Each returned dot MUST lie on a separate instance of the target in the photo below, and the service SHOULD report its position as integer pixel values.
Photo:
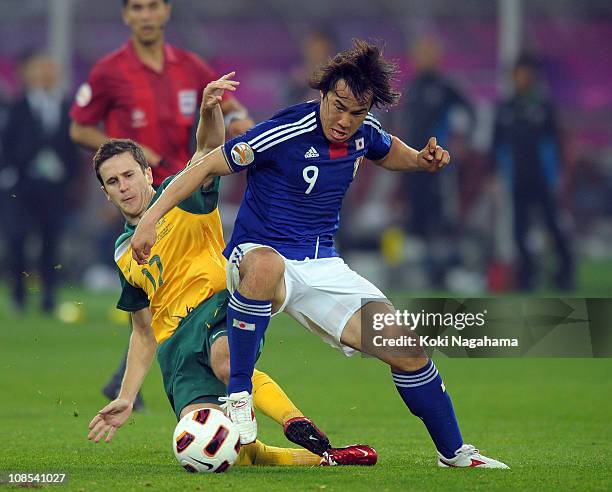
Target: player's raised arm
(211, 127)
(402, 157)
(205, 164)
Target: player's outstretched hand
(433, 158)
(143, 240)
(109, 419)
(213, 92)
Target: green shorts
(184, 358)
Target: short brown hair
(365, 71)
(118, 146)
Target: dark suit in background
(429, 99)
(528, 153)
(38, 148)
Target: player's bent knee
(262, 261)
(261, 270)
(222, 370)
(219, 359)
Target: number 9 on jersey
(310, 173)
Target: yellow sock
(260, 454)
(271, 400)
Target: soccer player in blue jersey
(281, 255)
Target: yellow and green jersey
(186, 264)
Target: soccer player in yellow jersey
(178, 303)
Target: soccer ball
(206, 440)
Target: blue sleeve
(252, 147)
(379, 140)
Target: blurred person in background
(38, 150)
(430, 98)
(527, 150)
(316, 48)
(148, 91)
(8, 179)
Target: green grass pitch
(549, 419)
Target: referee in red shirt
(148, 91)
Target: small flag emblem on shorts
(243, 325)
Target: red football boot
(357, 454)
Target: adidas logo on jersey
(312, 152)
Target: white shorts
(321, 294)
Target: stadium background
(52, 369)
(479, 41)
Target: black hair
(365, 71)
(117, 146)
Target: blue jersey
(297, 179)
